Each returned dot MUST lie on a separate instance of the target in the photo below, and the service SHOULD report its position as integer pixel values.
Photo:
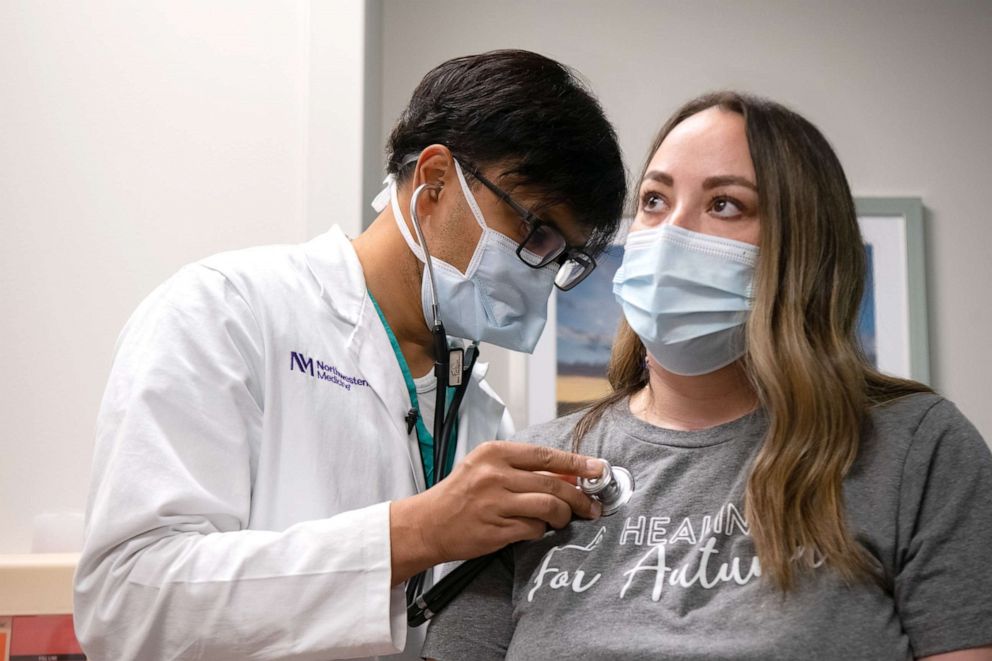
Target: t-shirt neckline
(631, 425)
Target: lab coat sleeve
(169, 569)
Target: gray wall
(902, 89)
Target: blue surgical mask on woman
(498, 299)
(687, 296)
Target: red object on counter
(43, 635)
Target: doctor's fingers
(541, 458)
(543, 507)
(520, 481)
(571, 479)
(521, 529)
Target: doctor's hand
(494, 497)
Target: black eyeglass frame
(534, 223)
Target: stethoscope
(613, 489)
(453, 367)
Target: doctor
(264, 463)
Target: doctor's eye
(727, 207)
(523, 230)
(541, 240)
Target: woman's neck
(691, 403)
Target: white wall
(135, 138)
(344, 166)
(902, 89)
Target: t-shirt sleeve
(943, 585)
(478, 623)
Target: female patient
(791, 501)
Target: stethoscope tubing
(441, 441)
(434, 600)
(415, 218)
(444, 421)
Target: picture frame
(893, 324)
(893, 231)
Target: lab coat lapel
(378, 363)
(333, 262)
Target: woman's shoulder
(920, 413)
(907, 412)
(921, 425)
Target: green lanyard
(424, 438)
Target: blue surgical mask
(498, 299)
(687, 296)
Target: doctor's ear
(434, 167)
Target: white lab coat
(239, 506)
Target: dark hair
(530, 112)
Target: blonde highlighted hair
(802, 357)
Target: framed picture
(893, 321)
(568, 367)
(586, 323)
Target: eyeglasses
(544, 244)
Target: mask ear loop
(415, 218)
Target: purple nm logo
(322, 371)
(300, 362)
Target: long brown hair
(802, 358)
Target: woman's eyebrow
(728, 180)
(708, 183)
(659, 176)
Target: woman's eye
(652, 202)
(724, 207)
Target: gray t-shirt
(673, 575)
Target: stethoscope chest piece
(613, 488)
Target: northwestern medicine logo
(324, 372)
